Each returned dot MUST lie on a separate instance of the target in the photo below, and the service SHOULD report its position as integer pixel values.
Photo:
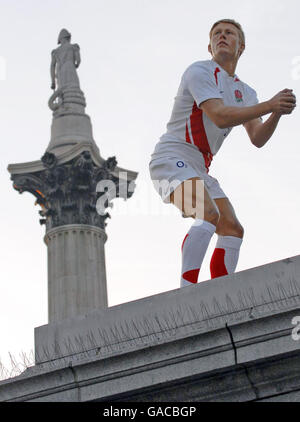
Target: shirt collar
(223, 70)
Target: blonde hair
(233, 22)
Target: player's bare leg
(192, 199)
(195, 203)
(228, 224)
(230, 235)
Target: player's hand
(284, 102)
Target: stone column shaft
(76, 271)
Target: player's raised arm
(259, 132)
(225, 116)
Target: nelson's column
(73, 185)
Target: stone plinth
(209, 305)
(227, 339)
(76, 271)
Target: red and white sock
(225, 256)
(193, 249)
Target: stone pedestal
(230, 339)
(69, 130)
(76, 271)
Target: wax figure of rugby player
(211, 100)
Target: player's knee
(209, 214)
(240, 231)
(236, 229)
(230, 228)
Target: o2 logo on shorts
(180, 164)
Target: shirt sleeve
(201, 84)
(252, 98)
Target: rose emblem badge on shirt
(238, 95)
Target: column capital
(77, 191)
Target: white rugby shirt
(189, 130)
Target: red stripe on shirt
(216, 74)
(187, 136)
(199, 135)
(207, 159)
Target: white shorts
(173, 171)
